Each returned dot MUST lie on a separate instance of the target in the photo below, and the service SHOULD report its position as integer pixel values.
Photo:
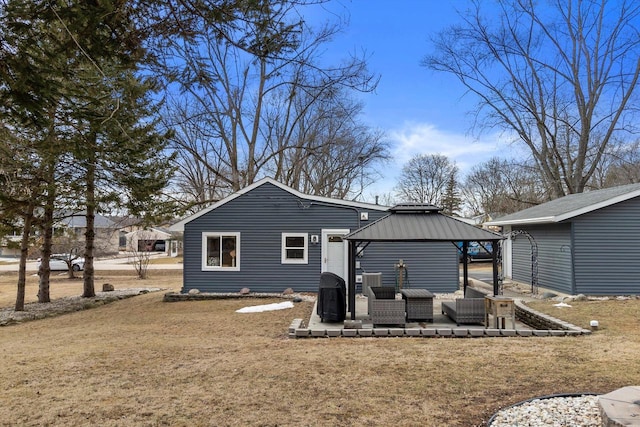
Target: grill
(332, 298)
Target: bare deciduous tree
(257, 102)
(328, 152)
(561, 76)
(69, 245)
(499, 187)
(425, 179)
(140, 254)
(620, 166)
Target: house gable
(258, 220)
(179, 226)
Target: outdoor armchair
(384, 308)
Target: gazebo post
(352, 279)
(465, 266)
(494, 258)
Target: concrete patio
(442, 326)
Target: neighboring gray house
(107, 232)
(269, 237)
(587, 243)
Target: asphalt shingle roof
(79, 220)
(570, 206)
(420, 223)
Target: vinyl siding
(554, 257)
(261, 216)
(264, 213)
(432, 265)
(607, 250)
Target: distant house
(125, 225)
(107, 232)
(587, 243)
(269, 237)
(150, 239)
(10, 245)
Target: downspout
(574, 287)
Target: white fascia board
(179, 226)
(541, 220)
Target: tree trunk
(88, 288)
(24, 253)
(47, 235)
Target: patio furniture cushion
(469, 309)
(384, 308)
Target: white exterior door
(335, 252)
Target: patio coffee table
(419, 304)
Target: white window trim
(205, 236)
(305, 258)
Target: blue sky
(420, 111)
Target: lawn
(165, 260)
(141, 361)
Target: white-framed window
(295, 248)
(220, 251)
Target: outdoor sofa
(469, 309)
(384, 308)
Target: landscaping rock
(194, 292)
(245, 291)
(34, 311)
(548, 295)
(107, 287)
(287, 291)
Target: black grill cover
(332, 298)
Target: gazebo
(419, 223)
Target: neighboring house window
(294, 248)
(221, 251)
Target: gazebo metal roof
(420, 223)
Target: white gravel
(579, 411)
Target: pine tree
(451, 198)
(70, 74)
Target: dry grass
(165, 260)
(144, 362)
(61, 286)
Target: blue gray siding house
(588, 243)
(269, 237)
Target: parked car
(476, 251)
(58, 262)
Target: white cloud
(425, 138)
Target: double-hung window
(221, 251)
(295, 248)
